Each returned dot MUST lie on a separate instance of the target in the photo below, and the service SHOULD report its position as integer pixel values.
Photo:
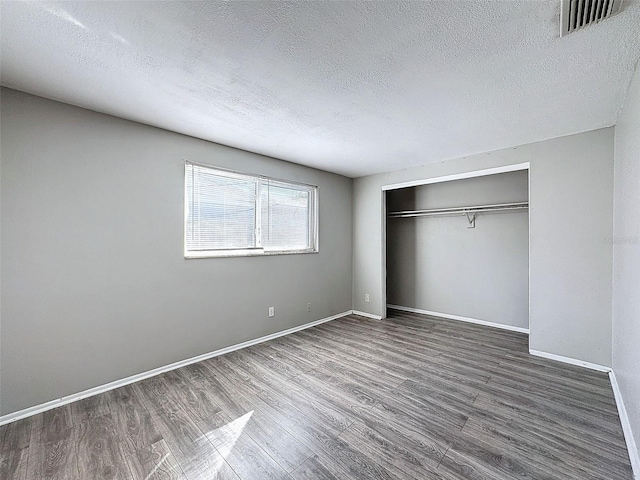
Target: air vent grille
(576, 14)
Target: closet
(460, 249)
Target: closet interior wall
(439, 265)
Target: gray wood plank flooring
(410, 397)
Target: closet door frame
(446, 178)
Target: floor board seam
(465, 422)
(347, 428)
(442, 458)
(289, 472)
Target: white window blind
(228, 213)
(285, 216)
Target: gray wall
(94, 284)
(626, 255)
(440, 265)
(571, 195)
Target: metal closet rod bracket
(471, 218)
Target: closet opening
(458, 247)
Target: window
(232, 214)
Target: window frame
(258, 250)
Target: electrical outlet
(366, 298)
(272, 311)
(308, 307)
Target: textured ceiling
(353, 87)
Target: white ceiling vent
(576, 14)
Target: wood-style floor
(411, 397)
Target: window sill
(243, 253)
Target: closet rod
(499, 207)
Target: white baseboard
(571, 361)
(462, 319)
(365, 314)
(27, 412)
(626, 427)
